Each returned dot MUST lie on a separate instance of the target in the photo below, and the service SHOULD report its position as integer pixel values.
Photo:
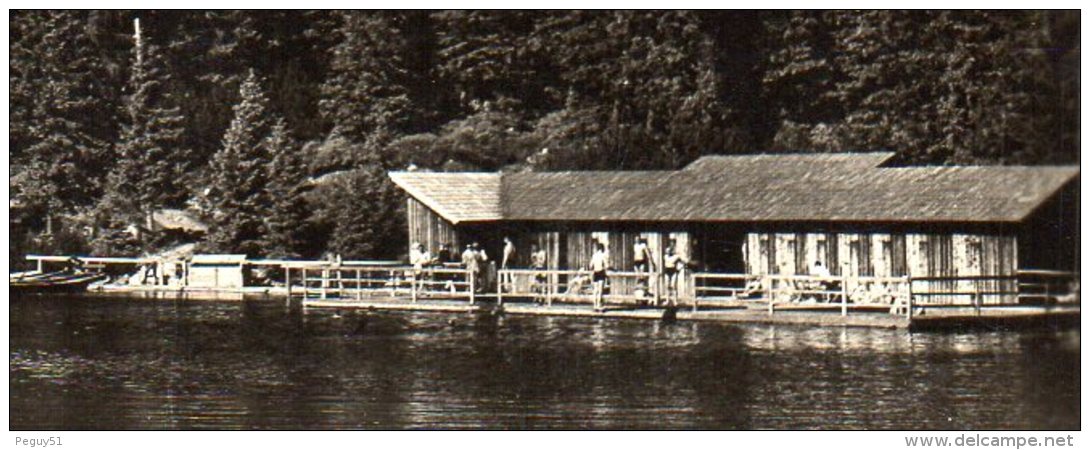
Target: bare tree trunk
(149, 220)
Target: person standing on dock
(599, 262)
(472, 258)
(419, 258)
(641, 257)
(673, 265)
(538, 262)
(508, 253)
(444, 253)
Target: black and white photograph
(592, 220)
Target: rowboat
(61, 281)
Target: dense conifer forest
(276, 128)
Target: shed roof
(218, 259)
(457, 196)
(752, 188)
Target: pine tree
(485, 57)
(62, 122)
(238, 175)
(288, 215)
(366, 98)
(368, 215)
(151, 156)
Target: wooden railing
(358, 282)
(548, 286)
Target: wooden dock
(937, 319)
(871, 302)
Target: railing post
(771, 294)
(287, 281)
(843, 295)
(304, 274)
(550, 286)
(696, 286)
(412, 284)
(325, 283)
(472, 287)
(499, 287)
(908, 314)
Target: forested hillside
(277, 127)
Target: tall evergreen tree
(151, 163)
(288, 215)
(366, 97)
(62, 122)
(238, 175)
(368, 215)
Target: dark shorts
(599, 276)
(670, 271)
(641, 266)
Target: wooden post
(550, 283)
(325, 283)
(908, 314)
(696, 287)
(499, 287)
(359, 286)
(304, 274)
(472, 287)
(843, 295)
(412, 284)
(287, 280)
(41, 266)
(771, 293)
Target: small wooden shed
(219, 271)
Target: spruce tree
(151, 156)
(366, 98)
(62, 122)
(238, 176)
(288, 216)
(369, 218)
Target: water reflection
(106, 363)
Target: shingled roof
(457, 196)
(839, 187)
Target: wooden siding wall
(427, 228)
(893, 255)
(572, 250)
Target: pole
(499, 287)
(472, 287)
(771, 293)
(908, 314)
(843, 295)
(287, 281)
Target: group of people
(475, 260)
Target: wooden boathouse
(953, 229)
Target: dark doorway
(722, 248)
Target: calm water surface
(113, 363)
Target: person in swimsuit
(538, 261)
(672, 265)
(641, 257)
(598, 266)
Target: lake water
(82, 362)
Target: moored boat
(62, 281)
